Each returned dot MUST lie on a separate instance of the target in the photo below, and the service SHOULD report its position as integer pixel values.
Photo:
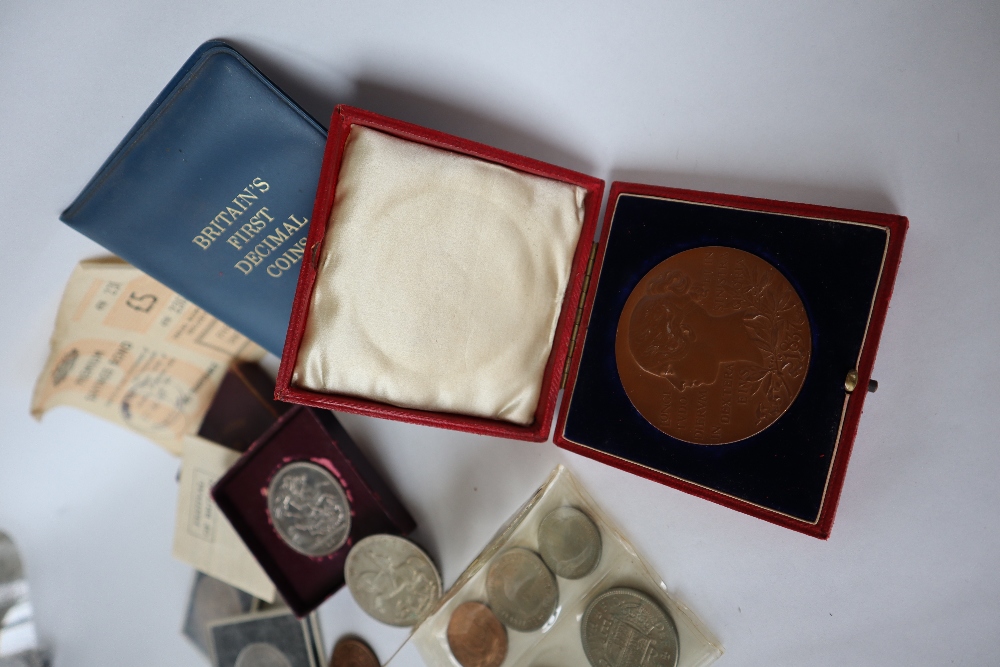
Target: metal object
(851, 381)
(626, 628)
(476, 637)
(713, 345)
(268, 639)
(569, 542)
(211, 600)
(521, 590)
(10, 560)
(261, 654)
(350, 652)
(392, 579)
(309, 509)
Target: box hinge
(579, 314)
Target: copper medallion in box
(713, 345)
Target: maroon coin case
(306, 434)
(243, 408)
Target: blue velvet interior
(834, 266)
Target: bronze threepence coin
(351, 652)
(521, 590)
(713, 345)
(626, 628)
(309, 509)
(569, 542)
(476, 637)
(392, 579)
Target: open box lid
(344, 118)
(843, 265)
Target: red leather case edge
(895, 224)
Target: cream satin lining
(441, 280)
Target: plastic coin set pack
(559, 586)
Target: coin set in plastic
(300, 498)
(559, 586)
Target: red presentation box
(841, 262)
(315, 436)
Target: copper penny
(351, 652)
(476, 636)
(713, 345)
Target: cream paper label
(129, 350)
(203, 537)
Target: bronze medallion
(476, 636)
(713, 345)
(351, 652)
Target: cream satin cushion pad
(441, 280)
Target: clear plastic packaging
(558, 642)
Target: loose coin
(476, 637)
(309, 509)
(392, 579)
(626, 628)
(212, 600)
(569, 542)
(713, 345)
(521, 590)
(261, 654)
(351, 652)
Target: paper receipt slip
(129, 350)
(203, 537)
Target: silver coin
(309, 509)
(521, 590)
(213, 600)
(392, 579)
(569, 542)
(626, 628)
(261, 654)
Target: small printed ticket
(203, 537)
(132, 351)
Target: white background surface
(887, 106)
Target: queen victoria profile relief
(713, 345)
